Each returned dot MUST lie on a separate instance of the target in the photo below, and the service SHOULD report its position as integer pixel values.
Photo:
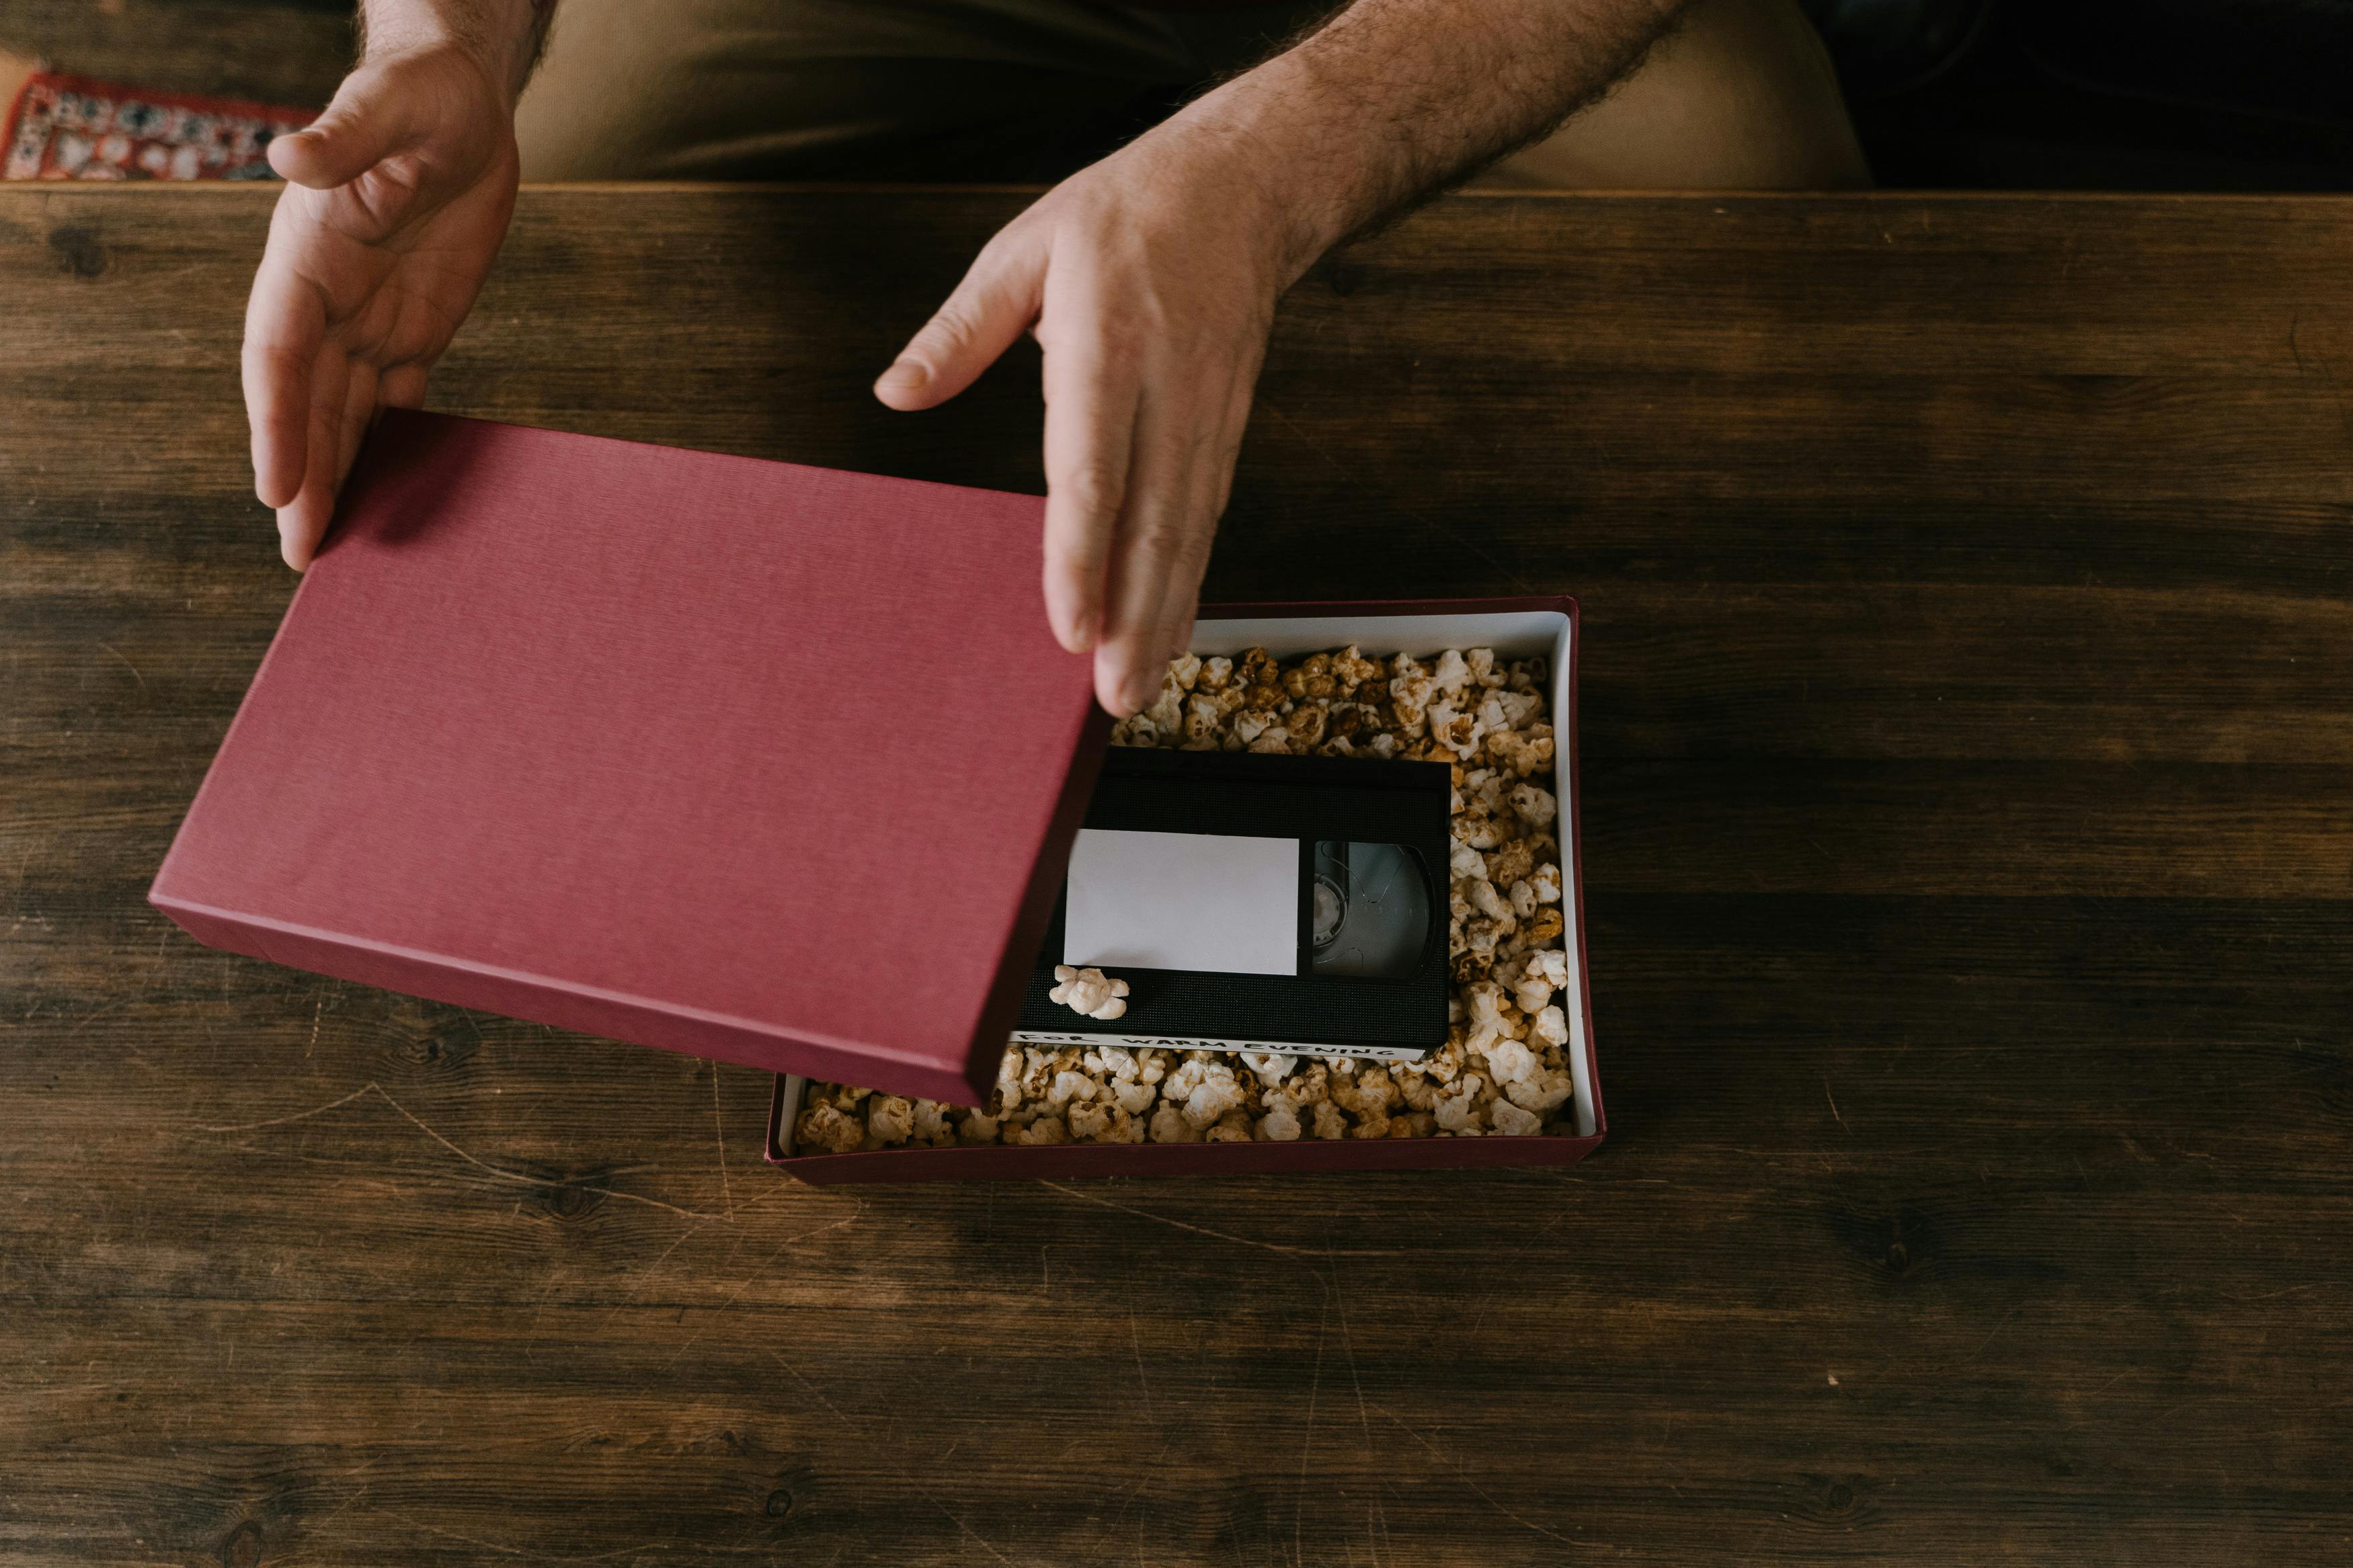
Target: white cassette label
(1183, 900)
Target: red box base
(1515, 627)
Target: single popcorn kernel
(828, 1127)
(1234, 1127)
(1045, 1130)
(889, 1120)
(1352, 669)
(1089, 991)
(1510, 863)
(1510, 1120)
(932, 1124)
(1271, 1069)
(1169, 1126)
(1459, 1113)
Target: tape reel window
(1372, 914)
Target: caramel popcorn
(1045, 1130)
(1169, 1125)
(1503, 1070)
(889, 1120)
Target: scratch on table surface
(1307, 1438)
(1463, 1474)
(2266, 1296)
(530, 1330)
(1144, 1478)
(1315, 446)
(760, 1272)
(1834, 1110)
(2111, 1383)
(295, 1116)
(718, 1123)
(1136, 1343)
(917, 1487)
(2001, 1323)
(1220, 1234)
(126, 663)
(371, 1178)
(416, 1523)
(1348, 1343)
(358, 1492)
(500, 1173)
(644, 1275)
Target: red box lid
(765, 762)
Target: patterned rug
(71, 128)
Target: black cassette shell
(1314, 800)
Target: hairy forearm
(505, 35)
(1393, 99)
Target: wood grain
(283, 52)
(1969, 851)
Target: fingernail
(1082, 632)
(905, 375)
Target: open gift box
(767, 763)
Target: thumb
(992, 307)
(360, 128)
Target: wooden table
(1969, 768)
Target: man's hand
(1150, 280)
(396, 199)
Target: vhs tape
(1257, 902)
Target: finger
(285, 323)
(992, 307)
(1213, 485)
(1168, 628)
(363, 126)
(401, 386)
(303, 524)
(1180, 587)
(359, 410)
(1160, 534)
(1090, 403)
(1181, 599)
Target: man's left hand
(1150, 280)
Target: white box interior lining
(1512, 634)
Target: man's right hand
(396, 199)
